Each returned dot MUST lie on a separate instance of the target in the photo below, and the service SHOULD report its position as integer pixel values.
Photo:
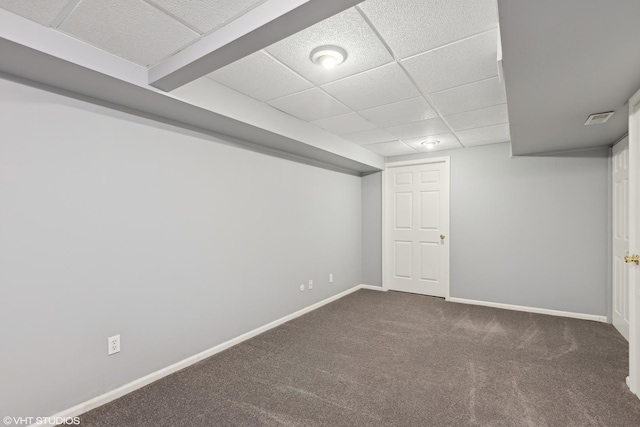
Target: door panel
(417, 215)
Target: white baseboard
(155, 376)
(582, 316)
(372, 288)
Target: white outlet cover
(113, 345)
(330, 278)
(301, 288)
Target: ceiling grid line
(175, 18)
(64, 13)
(430, 103)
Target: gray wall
(113, 224)
(371, 229)
(531, 231)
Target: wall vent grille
(599, 118)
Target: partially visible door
(417, 227)
(634, 243)
(620, 294)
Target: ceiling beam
(264, 25)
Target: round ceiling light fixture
(430, 144)
(328, 56)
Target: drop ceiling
(413, 73)
(416, 71)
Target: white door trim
(634, 243)
(447, 161)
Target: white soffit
(565, 60)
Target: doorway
(416, 227)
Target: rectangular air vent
(599, 118)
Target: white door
(417, 228)
(620, 294)
(634, 243)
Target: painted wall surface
(114, 224)
(372, 229)
(530, 231)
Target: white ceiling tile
(370, 137)
(485, 135)
(206, 15)
(419, 129)
(260, 76)
(388, 149)
(478, 118)
(445, 141)
(347, 123)
(347, 30)
(41, 11)
(131, 29)
(486, 93)
(372, 88)
(463, 62)
(414, 26)
(312, 104)
(409, 110)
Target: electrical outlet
(301, 288)
(310, 284)
(330, 278)
(114, 344)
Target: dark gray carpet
(393, 359)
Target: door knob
(442, 237)
(632, 258)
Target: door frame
(633, 380)
(385, 256)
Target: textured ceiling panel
(419, 129)
(485, 135)
(348, 123)
(479, 118)
(131, 29)
(312, 104)
(445, 141)
(414, 26)
(469, 97)
(372, 88)
(206, 15)
(370, 137)
(466, 61)
(275, 79)
(347, 30)
(389, 149)
(410, 110)
(42, 11)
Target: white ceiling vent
(599, 118)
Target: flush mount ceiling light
(430, 144)
(328, 56)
